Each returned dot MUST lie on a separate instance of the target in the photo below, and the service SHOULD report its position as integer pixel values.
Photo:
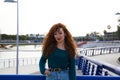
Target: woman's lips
(58, 39)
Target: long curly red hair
(49, 43)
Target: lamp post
(17, 41)
(109, 27)
(9, 1)
(17, 36)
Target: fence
(8, 63)
(92, 67)
(99, 51)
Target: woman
(59, 49)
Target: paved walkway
(108, 58)
(28, 69)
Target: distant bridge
(37, 43)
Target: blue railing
(99, 51)
(40, 77)
(90, 66)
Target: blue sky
(80, 16)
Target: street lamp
(17, 36)
(118, 13)
(9, 1)
(109, 27)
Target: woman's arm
(72, 69)
(42, 63)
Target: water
(26, 51)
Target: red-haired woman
(59, 49)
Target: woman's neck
(61, 46)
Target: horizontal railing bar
(104, 65)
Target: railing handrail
(100, 50)
(86, 62)
(102, 47)
(104, 65)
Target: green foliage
(8, 37)
(12, 37)
(118, 32)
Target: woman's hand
(47, 72)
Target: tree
(94, 35)
(104, 32)
(118, 32)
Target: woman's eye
(60, 33)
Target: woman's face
(59, 35)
